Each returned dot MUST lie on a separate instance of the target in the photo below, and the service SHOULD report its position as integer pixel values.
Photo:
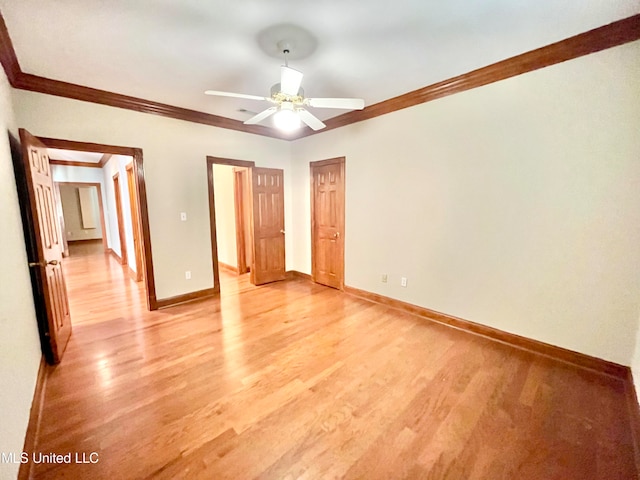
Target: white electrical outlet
(183, 216)
(187, 275)
(403, 282)
(384, 278)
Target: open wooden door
(135, 219)
(50, 289)
(121, 233)
(267, 191)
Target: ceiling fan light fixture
(286, 118)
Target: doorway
(80, 210)
(327, 222)
(34, 175)
(246, 208)
(86, 180)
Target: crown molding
(8, 57)
(26, 81)
(602, 38)
(34, 83)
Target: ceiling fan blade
(308, 118)
(346, 103)
(290, 80)
(234, 95)
(261, 116)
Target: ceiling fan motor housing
(277, 88)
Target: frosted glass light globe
(286, 120)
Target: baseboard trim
(132, 275)
(634, 416)
(228, 268)
(35, 417)
(186, 297)
(294, 274)
(85, 240)
(534, 346)
(115, 255)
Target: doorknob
(44, 263)
(282, 232)
(336, 235)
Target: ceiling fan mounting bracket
(299, 42)
(285, 46)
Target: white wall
(515, 205)
(175, 172)
(19, 343)
(66, 173)
(223, 187)
(73, 216)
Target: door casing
(211, 161)
(141, 200)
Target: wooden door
(50, 291)
(327, 222)
(239, 176)
(121, 234)
(267, 191)
(135, 220)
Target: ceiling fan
(289, 101)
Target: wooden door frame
(321, 163)
(122, 234)
(141, 197)
(100, 204)
(240, 179)
(211, 161)
(135, 221)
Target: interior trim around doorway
(141, 200)
(211, 161)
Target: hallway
(95, 282)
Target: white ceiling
(170, 51)
(74, 156)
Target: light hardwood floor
(295, 380)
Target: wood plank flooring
(295, 380)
